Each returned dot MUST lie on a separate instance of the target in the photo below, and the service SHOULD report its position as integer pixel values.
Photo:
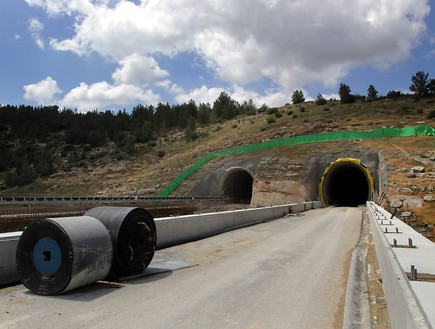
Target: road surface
(286, 273)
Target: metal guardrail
(96, 198)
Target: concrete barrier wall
(176, 230)
(404, 307)
(171, 230)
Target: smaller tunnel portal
(237, 185)
(346, 183)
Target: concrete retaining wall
(170, 230)
(404, 307)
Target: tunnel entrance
(237, 185)
(346, 182)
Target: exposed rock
(144, 191)
(407, 190)
(428, 198)
(410, 174)
(430, 188)
(422, 160)
(413, 202)
(396, 203)
(405, 214)
(419, 169)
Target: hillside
(82, 170)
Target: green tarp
(297, 140)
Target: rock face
(267, 192)
(410, 187)
(400, 201)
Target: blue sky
(111, 54)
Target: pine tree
(372, 93)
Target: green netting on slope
(297, 140)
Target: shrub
(272, 110)
(320, 100)
(270, 119)
(392, 94)
(263, 108)
(289, 113)
(11, 178)
(405, 109)
(431, 114)
(152, 143)
(278, 114)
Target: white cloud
(42, 92)
(35, 29)
(99, 95)
(292, 43)
(137, 69)
(240, 94)
(199, 95)
(60, 7)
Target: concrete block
(404, 307)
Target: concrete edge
(170, 230)
(404, 309)
(356, 307)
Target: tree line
(422, 86)
(28, 135)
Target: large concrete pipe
(134, 237)
(59, 254)
(346, 182)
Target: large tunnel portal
(346, 182)
(237, 185)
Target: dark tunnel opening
(346, 184)
(237, 185)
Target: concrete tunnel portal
(346, 182)
(237, 184)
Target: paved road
(287, 273)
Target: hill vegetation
(49, 151)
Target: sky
(115, 54)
